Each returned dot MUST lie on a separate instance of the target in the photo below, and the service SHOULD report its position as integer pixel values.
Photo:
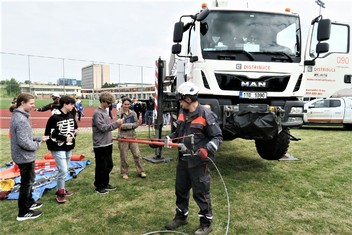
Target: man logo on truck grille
(253, 84)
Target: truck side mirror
(322, 47)
(203, 14)
(178, 31)
(176, 49)
(324, 30)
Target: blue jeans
(25, 199)
(149, 117)
(62, 159)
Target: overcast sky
(131, 33)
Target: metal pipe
(147, 142)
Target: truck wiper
(286, 56)
(224, 56)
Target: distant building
(46, 90)
(140, 91)
(69, 82)
(95, 76)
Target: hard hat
(188, 89)
(55, 95)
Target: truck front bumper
(261, 121)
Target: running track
(39, 119)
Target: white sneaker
(29, 215)
(35, 206)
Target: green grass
(309, 196)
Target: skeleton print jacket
(58, 128)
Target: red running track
(39, 119)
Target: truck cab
(248, 67)
(333, 70)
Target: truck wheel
(275, 148)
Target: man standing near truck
(202, 137)
(54, 106)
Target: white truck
(333, 71)
(248, 66)
(330, 111)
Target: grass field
(309, 196)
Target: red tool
(150, 142)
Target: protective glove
(154, 146)
(202, 153)
(166, 141)
(182, 148)
(211, 147)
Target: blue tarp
(47, 179)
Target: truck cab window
(238, 33)
(338, 42)
(335, 103)
(321, 104)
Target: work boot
(203, 230)
(205, 226)
(179, 220)
(60, 196)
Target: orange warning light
(287, 9)
(204, 5)
(272, 108)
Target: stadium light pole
(29, 73)
(63, 74)
(93, 74)
(119, 85)
(142, 88)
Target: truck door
(319, 112)
(332, 70)
(336, 110)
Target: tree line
(11, 86)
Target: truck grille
(232, 82)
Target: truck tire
(275, 148)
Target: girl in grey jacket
(23, 148)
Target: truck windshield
(241, 35)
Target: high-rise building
(94, 76)
(68, 82)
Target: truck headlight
(294, 119)
(296, 110)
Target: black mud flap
(249, 125)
